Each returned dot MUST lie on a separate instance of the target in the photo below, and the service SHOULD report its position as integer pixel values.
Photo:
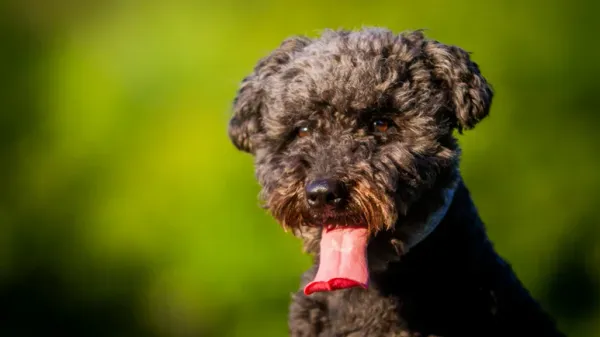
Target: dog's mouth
(331, 218)
(343, 246)
(342, 258)
(345, 227)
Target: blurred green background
(125, 211)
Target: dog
(353, 139)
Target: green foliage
(125, 211)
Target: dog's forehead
(347, 81)
(348, 73)
(337, 84)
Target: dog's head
(355, 128)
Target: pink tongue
(343, 262)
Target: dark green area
(125, 211)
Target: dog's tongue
(343, 261)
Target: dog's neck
(418, 233)
(456, 263)
(453, 233)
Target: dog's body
(451, 284)
(352, 137)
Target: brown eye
(381, 125)
(303, 131)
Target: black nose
(324, 192)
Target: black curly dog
(352, 135)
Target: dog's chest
(356, 312)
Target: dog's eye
(381, 125)
(303, 131)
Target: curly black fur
(376, 111)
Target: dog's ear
(248, 105)
(469, 94)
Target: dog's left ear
(246, 123)
(469, 93)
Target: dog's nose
(324, 192)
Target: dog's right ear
(248, 105)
